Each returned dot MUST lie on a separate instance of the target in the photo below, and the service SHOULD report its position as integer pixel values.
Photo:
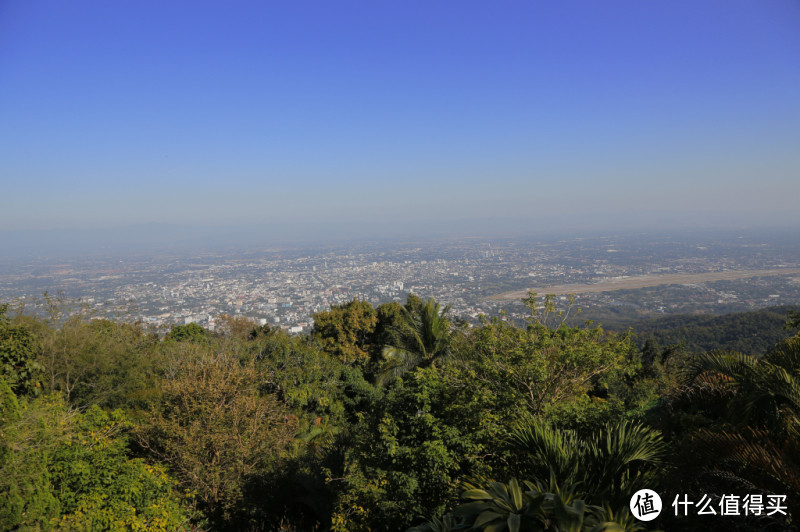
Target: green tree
(515, 506)
(305, 379)
(101, 488)
(649, 376)
(68, 470)
(748, 431)
(391, 319)
(793, 321)
(345, 331)
(99, 362)
(324, 396)
(609, 464)
(423, 339)
(18, 351)
(759, 391)
(408, 454)
(540, 371)
(217, 430)
(191, 332)
(27, 437)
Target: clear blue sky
(249, 112)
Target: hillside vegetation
(384, 418)
(753, 333)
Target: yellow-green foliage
(71, 471)
(536, 369)
(100, 488)
(28, 434)
(216, 428)
(344, 331)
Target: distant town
(612, 278)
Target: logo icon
(645, 505)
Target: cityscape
(611, 278)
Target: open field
(642, 281)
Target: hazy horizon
(317, 121)
(152, 238)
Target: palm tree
(765, 390)
(757, 443)
(516, 506)
(423, 339)
(610, 465)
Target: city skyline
(614, 278)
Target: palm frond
(422, 339)
(446, 524)
(548, 448)
(786, 355)
(398, 362)
(765, 390)
(754, 451)
(610, 465)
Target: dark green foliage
(308, 381)
(609, 465)
(18, 351)
(191, 332)
(409, 453)
(752, 333)
(735, 427)
(793, 320)
(651, 375)
(422, 338)
(391, 321)
(763, 391)
(530, 506)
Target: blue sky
(623, 113)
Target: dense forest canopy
(753, 333)
(388, 418)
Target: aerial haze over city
(613, 278)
